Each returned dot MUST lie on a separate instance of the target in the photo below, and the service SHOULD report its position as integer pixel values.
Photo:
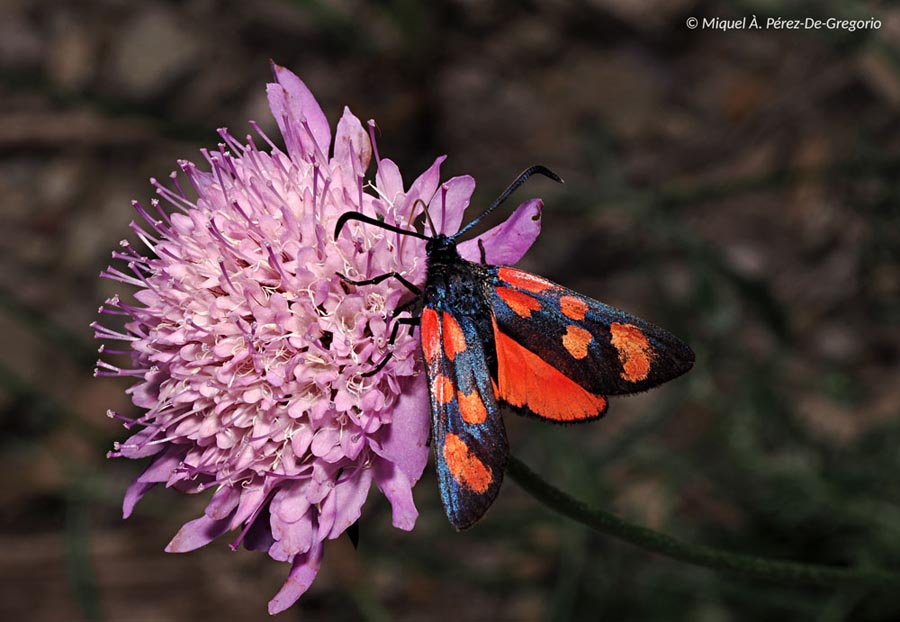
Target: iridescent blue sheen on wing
(603, 349)
(467, 431)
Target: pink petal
(389, 180)
(423, 187)
(140, 445)
(292, 103)
(447, 210)
(393, 483)
(197, 533)
(406, 440)
(352, 148)
(506, 243)
(291, 538)
(290, 504)
(134, 494)
(303, 573)
(223, 502)
(159, 470)
(349, 497)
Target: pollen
(466, 468)
(572, 307)
(521, 304)
(576, 341)
(635, 352)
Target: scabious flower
(248, 350)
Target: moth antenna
(348, 216)
(524, 175)
(427, 215)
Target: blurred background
(739, 188)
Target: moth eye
(464, 466)
(635, 351)
(521, 304)
(576, 341)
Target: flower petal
(159, 470)
(303, 573)
(223, 503)
(134, 494)
(406, 440)
(197, 533)
(507, 242)
(139, 445)
(302, 105)
(389, 180)
(448, 207)
(352, 149)
(393, 483)
(349, 498)
(422, 189)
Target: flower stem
(699, 555)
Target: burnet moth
(496, 336)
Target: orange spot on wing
(521, 304)
(464, 466)
(576, 341)
(635, 352)
(454, 340)
(431, 336)
(572, 307)
(523, 280)
(443, 389)
(471, 407)
(527, 381)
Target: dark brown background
(739, 188)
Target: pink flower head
(249, 351)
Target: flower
(250, 353)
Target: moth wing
(559, 353)
(467, 432)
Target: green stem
(699, 555)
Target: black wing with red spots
(560, 353)
(467, 432)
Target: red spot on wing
(576, 341)
(454, 340)
(635, 352)
(573, 307)
(521, 304)
(431, 335)
(442, 388)
(524, 280)
(464, 466)
(471, 407)
(525, 380)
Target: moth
(495, 336)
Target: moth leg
(403, 321)
(384, 277)
(403, 308)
